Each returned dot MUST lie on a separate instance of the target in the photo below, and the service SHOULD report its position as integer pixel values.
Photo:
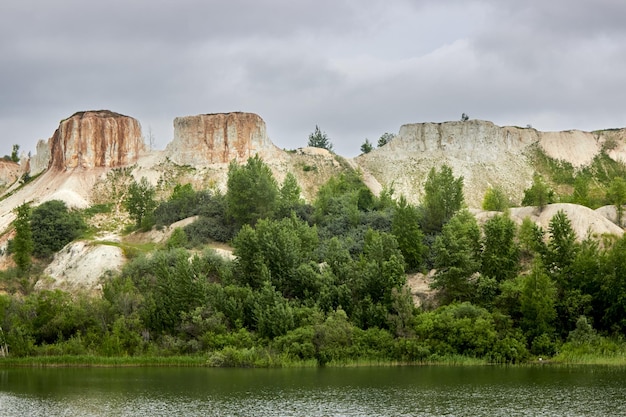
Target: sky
(356, 69)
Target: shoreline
(205, 362)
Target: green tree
(272, 312)
(531, 239)
(562, 247)
(367, 146)
(385, 138)
(15, 157)
(273, 252)
(319, 139)
(405, 227)
(457, 258)
(289, 196)
(443, 197)
(386, 264)
(538, 302)
(252, 192)
(500, 254)
(613, 288)
(22, 244)
(495, 200)
(616, 194)
(581, 190)
(53, 226)
(539, 194)
(139, 201)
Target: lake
(369, 391)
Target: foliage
(53, 226)
(15, 157)
(22, 245)
(385, 138)
(457, 258)
(537, 303)
(443, 197)
(500, 251)
(616, 194)
(289, 198)
(495, 200)
(140, 201)
(319, 139)
(539, 194)
(367, 146)
(184, 202)
(405, 227)
(252, 192)
(326, 283)
(273, 252)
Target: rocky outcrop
(485, 155)
(9, 172)
(41, 160)
(94, 139)
(219, 139)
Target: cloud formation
(356, 69)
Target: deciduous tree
(616, 194)
(457, 258)
(500, 254)
(405, 227)
(22, 244)
(443, 197)
(139, 201)
(252, 191)
(53, 226)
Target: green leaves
(616, 194)
(405, 227)
(500, 253)
(443, 197)
(22, 245)
(252, 192)
(319, 139)
(457, 257)
(139, 201)
(539, 194)
(53, 226)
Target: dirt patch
(80, 266)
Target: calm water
(407, 391)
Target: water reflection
(411, 391)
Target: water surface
(371, 391)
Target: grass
(224, 358)
(104, 361)
(258, 359)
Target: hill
(94, 153)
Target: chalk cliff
(486, 155)
(218, 139)
(95, 139)
(9, 173)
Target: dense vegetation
(326, 282)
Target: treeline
(326, 282)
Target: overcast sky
(355, 68)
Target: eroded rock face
(41, 160)
(9, 172)
(485, 154)
(219, 139)
(94, 139)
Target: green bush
(53, 226)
